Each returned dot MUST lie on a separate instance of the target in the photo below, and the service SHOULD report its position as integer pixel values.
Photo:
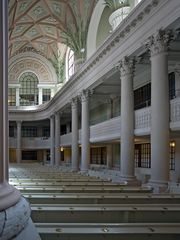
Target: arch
(32, 62)
(93, 27)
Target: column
(18, 144)
(127, 67)
(85, 133)
(57, 139)
(14, 210)
(177, 160)
(109, 156)
(40, 96)
(74, 144)
(52, 153)
(17, 97)
(158, 45)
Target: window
(28, 90)
(143, 155)
(29, 131)
(46, 95)
(11, 96)
(98, 155)
(172, 156)
(172, 91)
(142, 97)
(29, 155)
(71, 63)
(11, 131)
(46, 132)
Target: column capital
(159, 42)
(74, 102)
(85, 94)
(127, 66)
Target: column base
(130, 180)
(158, 186)
(15, 222)
(9, 196)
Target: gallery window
(28, 91)
(11, 96)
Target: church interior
(90, 119)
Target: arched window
(69, 63)
(28, 91)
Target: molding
(35, 63)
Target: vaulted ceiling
(45, 26)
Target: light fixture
(172, 144)
(62, 149)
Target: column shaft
(52, 153)
(158, 44)
(57, 139)
(159, 119)
(8, 194)
(18, 146)
(127, 119)
(85, 133)
(74, 145)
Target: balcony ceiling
(39, 25)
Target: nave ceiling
(47, 27)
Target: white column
(159, 110)
(74, 144)
(52, 140)
(57, 139)
(109, 156)
(127, 119)
(85, 134)
(40, 97)
(18, 146)
(17, 97)
(14, 210)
